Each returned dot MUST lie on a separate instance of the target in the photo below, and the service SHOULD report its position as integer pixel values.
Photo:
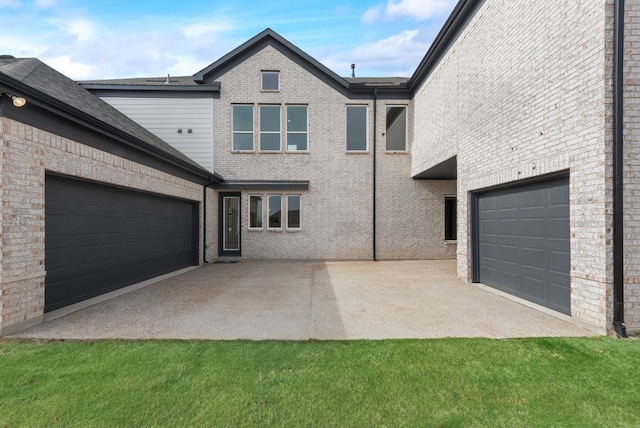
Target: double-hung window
(297, 128)
(270, 128)
(242, 127)
(275, 212)
(356, 128)
(396, 128)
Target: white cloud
(81, 29)
(419, 10)
(397, 55)
(373, 15)
(76, 70)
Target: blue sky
(95, 39)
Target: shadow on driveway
(302, 300)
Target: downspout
(618, 176)
(375, 133)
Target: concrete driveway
(295, 300)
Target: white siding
(165, 116)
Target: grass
(443, 382)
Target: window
(296, 128)
(270, 81)
(293, 211)
(450, 218)
(255, 212)
(242, 127)
(356, 128)
(275, 212)
(396, 128)
(270, 128)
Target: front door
(229, 225)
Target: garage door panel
(529, 241)
(100, 238)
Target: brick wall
(27, 153)
(632, 165)
(337, 218)
(523, 92)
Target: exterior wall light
(18, 101)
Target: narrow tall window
(242, 127)
(270, 128)
(357, 128)
(450, 218)
(396, 129)
(275, 211)
(255, 212)
(293, 211)
(297, 128)
(270, 81)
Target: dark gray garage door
(100, 238)
(523, 242)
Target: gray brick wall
(337, 218)
(524, 91)
(27, 153)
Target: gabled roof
(49, 89)
(257, 43)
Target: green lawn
(445, 382)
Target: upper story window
(270, 128)
(242, 127)
(297, 128)
(396, 128)
(270, 80)
(356, 128)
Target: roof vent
(168, 79)
(353, 71)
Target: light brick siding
(523, 92)
(632, 166)
(337, 216)
(27, 154)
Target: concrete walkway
(308, 300)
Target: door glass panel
(231, 223)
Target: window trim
(287, 132)
(269, 212)
(406, 129)
(260, 131)
(249, 197)
(265, 72)
(366, 129)
(253, 128)
(295, 195)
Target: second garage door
(100, 238)
(523, 243)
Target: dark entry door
(229, 224)
(524, 244)
(99, 238)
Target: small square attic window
(270, 80)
